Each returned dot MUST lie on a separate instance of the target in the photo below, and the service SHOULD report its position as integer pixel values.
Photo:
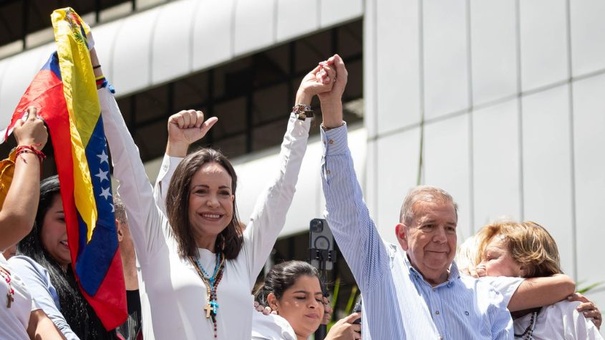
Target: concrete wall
(507, 99)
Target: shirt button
(330, 141)
(328, 172)
(437, 312)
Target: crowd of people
(190, 264)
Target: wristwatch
(302, 111)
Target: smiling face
(302, 305)
(210, 204)
(430, 239)
(498, 260)
(54, 232)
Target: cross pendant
(208, 309)
(9, 300)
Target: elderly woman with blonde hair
(522, 260)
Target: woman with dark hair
(197, 265)
(44, 263)
(294, 292)
(178, 202)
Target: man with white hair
(416, 295)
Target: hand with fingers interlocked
(319, 80)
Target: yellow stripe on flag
(82, 100)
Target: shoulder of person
(23, 261)
(270, 327)
(564, 307)
(27, 267)
(484, 286)
(501, 281)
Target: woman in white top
(527, 250)
(197, 267)
(293, 291)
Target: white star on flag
(104, 158)
(102, 175)
(105, 193)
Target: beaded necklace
(10, 294)
(529, 331)
(211, 282)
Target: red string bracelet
(28, 148)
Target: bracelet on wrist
(302, 111)
(29, 149)
(101, 81)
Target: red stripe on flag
(107, 297)
(110, 301)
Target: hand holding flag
(65, 90)
(31, 130)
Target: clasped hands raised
(327, 80)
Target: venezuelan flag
(65, 92)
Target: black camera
(321, 245)
(316, 225)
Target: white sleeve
(162, 182)
(146, 221)
(505, 285)
(575, 324)
(269, 215)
